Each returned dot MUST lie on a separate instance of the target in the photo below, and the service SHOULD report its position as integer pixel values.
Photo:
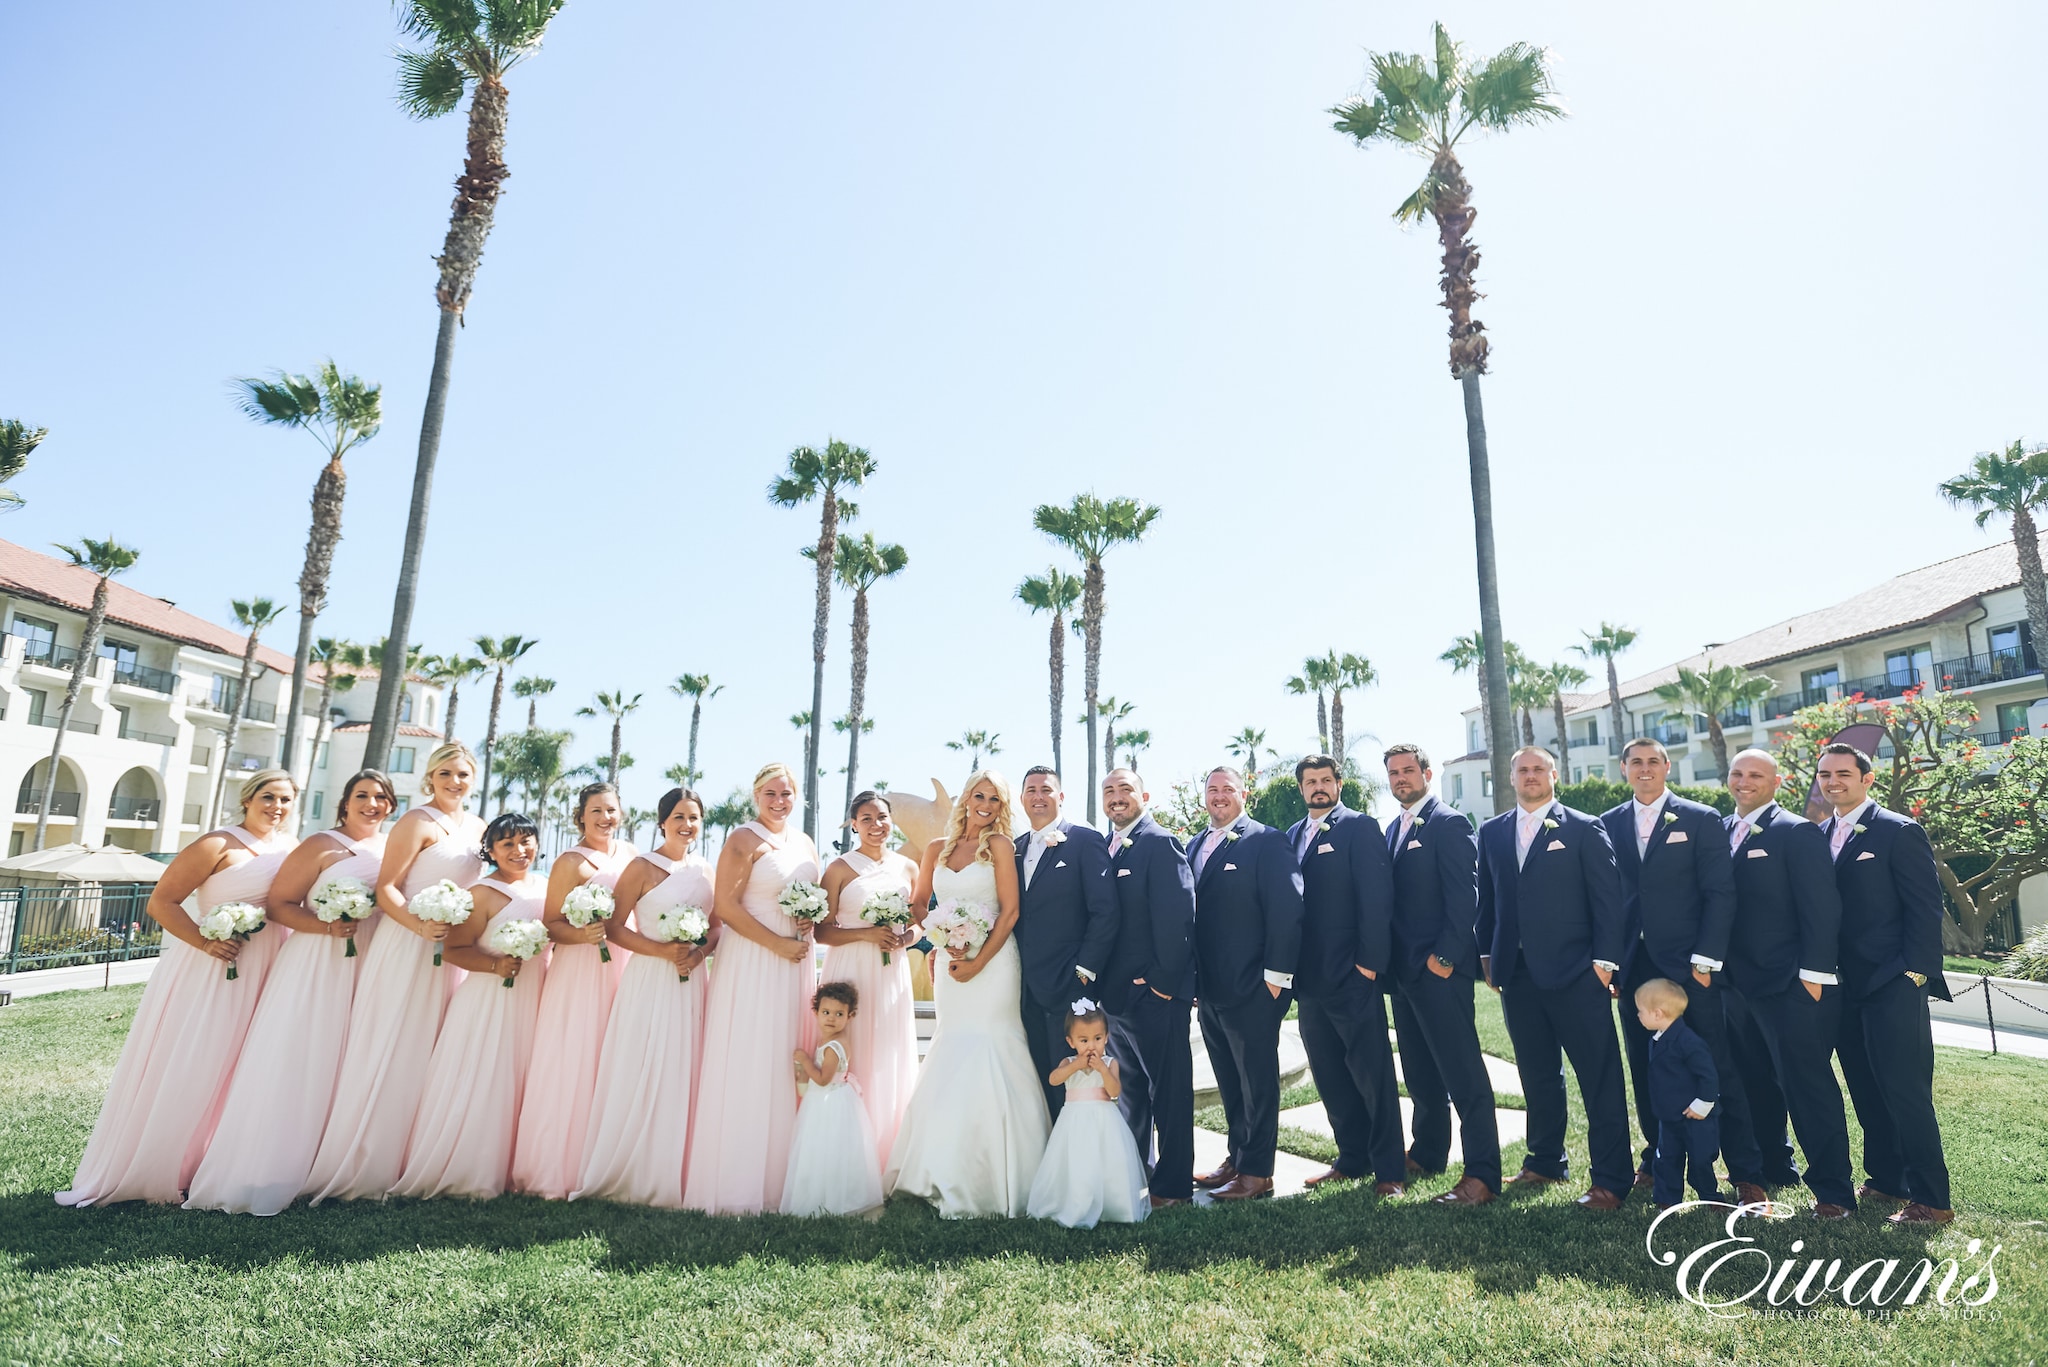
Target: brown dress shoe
(1414, 1169)
(1222, 1177)
(1390, 1189)
(1823, 1210)
(1162, 1202)
(1243, 1188)
(1600, 1198)
(1330, 1175)
(1866, 1192)
(1529, 1177)
(1470, 1191)
(1750, 1194)
(1644, 1181)
(1917, 1214)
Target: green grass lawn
(1328, 1278)
(1956, 963)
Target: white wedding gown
(975, 1132)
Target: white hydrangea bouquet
(886, 909)
(231, 921)
(520, 939)
(805, 902)
(589, 902)
(682, 925)
(442, 902)
(963, 925)
(340, 897)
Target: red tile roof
(405, 730)
(46, 579)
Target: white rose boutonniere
(1323, 826)
(1230, 837)
(1858, 828)
(1549, 824)
(1053, 836)
(1670, 817)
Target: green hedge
(1596, 795)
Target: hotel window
(2010, 646)
(1486, 784)
(37, 701)
(38, 637)
(1904, 668)
(121, 653)
(319, 800)
(321, 761)
(1472, 736)
(1820, 680)
(224, 693)
(405, 706)
(401, 759)
(2012, 719)
(1457, 787)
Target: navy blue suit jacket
(1155, 895)
(1558, 912)
(1679, 894)
(1247, 912)
(1787, 912)
(1681, 1072)
(1436, 891)
(1347, 899)
(1891, 904)
(1067, 917)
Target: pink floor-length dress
(461, 1142)
(548, 1156)
(758, 1015)
(646, 1089)
(277, 1106)
(173, 1074)
(400, 998)
(882, 1036)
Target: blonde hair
(448, 750)
(956, 824)
(262, 779)
(770, 772)
(1664, 995)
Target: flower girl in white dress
(833, 1167)
(1091, 1170)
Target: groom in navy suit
(1550, 940)
(1149, 986)
(1066, 920)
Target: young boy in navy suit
(1683, 1092)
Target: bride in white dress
(976, 1128)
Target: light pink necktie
(1116, 842)
(1209, 847)
(1843, 829)
(1741, 834)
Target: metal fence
(76, 923)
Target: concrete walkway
(43, 980)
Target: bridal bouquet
(231, 921)
(687, 925)
(805, 902)
(442, 902)
(589, 902)
(342, 898)
(886, 909)
(520, 939)
(965, 925)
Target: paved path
(42, 980)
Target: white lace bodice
(975, 883)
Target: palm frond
(1513, 87)
(17, 441)
(515, 27)
(430, 83)
(439, 21)
(9, 500)
(1415, 208)
(1362, 120)
(289, 400)
(1408, 87)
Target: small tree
(1134, 743)
(699, 690)
(2014, 482)
(17, 441)
(1056, 592)
(341, 664)
(1604, 645)
(251, 616)
(533, 690)
(105, 559)
(1318, 675)
(1246, 747)
(1709, 692)
(498, 656)
(975, 744)
(617, 706)
(1562, 679)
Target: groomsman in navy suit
(1550, 936)
(1435, 853)
(1346, 953)
(1247, 943)
(1783, 967)
(1066, 919)
(1148, 988)
(1678, 893)
(1891, 962)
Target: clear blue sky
(1774, 277)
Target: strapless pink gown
(277, 1106)
(173, 1074)
(399, 1001)
(573, 1010)
(758, 1015)
(461, 1142)
(881, 1039)
(647, 1074)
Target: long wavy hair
(956, 824)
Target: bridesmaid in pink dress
(277, 1105)
(400, 994)
(647, 1075)
(575, 1006)
(882, 1037)
(758, 1013)
(461, 1142)
(174, 1070)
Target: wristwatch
(1438, 958)
(1919, 979)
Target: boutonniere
(1052, 836)
(1858, 828)
(1751, 833)
(1230, 837)
(1549, 824)
(1323, 826)
(1670, 817)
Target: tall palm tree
(1091, 527)
(1427, 105)
(1352, 671)
(1561, 679)
(1469, 652)
(1710, 691)
(681, 775)
(698, 689)
(975, 744)
(17, 441)
(251, 616)
(533, 690)
(468, 48)
(1134, 743)
(450, 671)
(728, 816)
(341, 663)
(2014, 482)
(815, 474)
(863, 563)
(1247, 745)
(1111, 712)
(339, 412)
(1605, 644)
(1528, 689)
(618, 707)
(105, 559)
(1055, 592)
(1318, 673)
(498, 655)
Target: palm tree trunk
(1109, 749)
(1614, 705)
(319, 726)
(1720, 743)
(1528, 727)
(1496, 664)
(88, 656)
(1337, 729)
(1091, 621)
(696, 715)
(2033, 585)
(613, 771)
(235, 715)
(858, 698)
(454, 702)
(1564, 744)
(828, 534)
(1485, 706)
(1322, 721)
(1058, 656)
(483, 801)
(320, 542)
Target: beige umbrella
(84, 864)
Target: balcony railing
(1669, 732)
(260, 711)
(49, 655)
(83, 728)
(253, 710)
(1785, 704)
(132, 809)
(1997, 666)
(1584, 742)
(206, 703)
(149, 737)
(1736, 716)
(61, 803)
(142, 676)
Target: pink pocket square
(1759, 854)
(1230, 868)
(1555, 845)
(1415, 844)
(1326, 849)
(1675, 838)
(1865, 855)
